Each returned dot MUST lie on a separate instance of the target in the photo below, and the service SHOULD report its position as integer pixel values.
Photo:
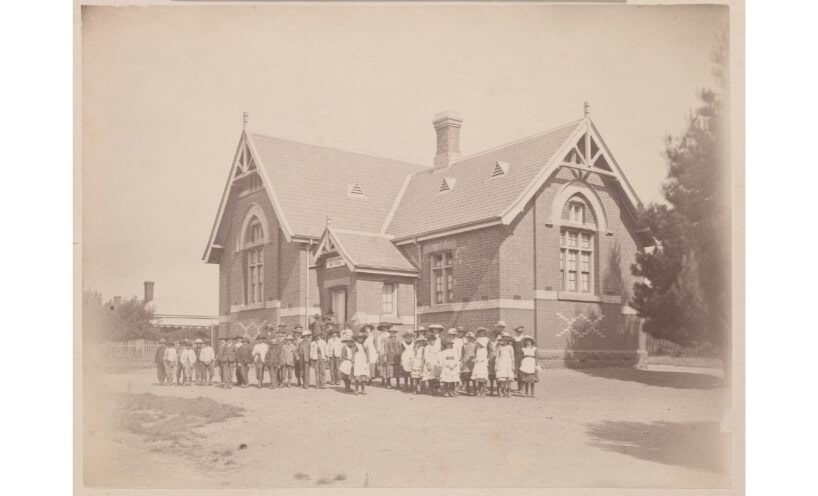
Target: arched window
(254, 258)
(577, 241)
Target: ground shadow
(658, 378)
(694, 445)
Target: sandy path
(595, 428)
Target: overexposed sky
(164, 88)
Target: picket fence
(663, 347)
(137, 349)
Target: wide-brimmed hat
(505, 335)
(452, 331)
(393, 329)
(435, 326)
(408, 334)
(346, 335)
(420, 329)
(481, 329)
(460, 329)
(519, 329)
(307, 332)
(528, 338)
(469, 334)
(384, 324)
(421, 338)
(500, 323)
(198, 341)
(371, 327)
(298, 326)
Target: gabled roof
(477, 197)
(309, 183)
(483, 197)
(364, 251)
(312, 182)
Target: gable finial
(328, 222)
(245, 117)
(586, 108)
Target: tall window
(254, 292)
(389, 299)
(576, 260)
(442, 277)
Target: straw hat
(469, 334)
(451, 332)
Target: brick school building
(540, 232)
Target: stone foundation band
(430, 361)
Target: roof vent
(500, 169)
(447, 184)
(355, 191)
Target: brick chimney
(148, 292)
(447, 126)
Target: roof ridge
(356, 152)
(537, 135)
(361, 233)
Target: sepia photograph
(339, 245)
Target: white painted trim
(396, 203)
(362, 233)
(449, 232)
(253, 210)
(478, 305)
(383, 272)
(627, 310)
(517, 207)
(223, 203)
(629, 191)
(587, 191)
(553, 165)
(268, 186)
(612, 299)
(255, 306)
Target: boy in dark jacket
(159, 360)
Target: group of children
(429, 360)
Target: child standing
(505, 365)
(480, 372)
(346, 356)
(417, 363)
(287, 360)
(467, 362)
(431, 367)
(360, 364)
(528, 366)
(407, 360)
(492, 353)
(450, 369)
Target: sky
(164, 88)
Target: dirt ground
(610, 427)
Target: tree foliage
(686, 296)
(129, 319)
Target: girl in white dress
(431, 368)
(360, 365)
(528, 366)
(480, 372)
(407, 360)
(450, 369)
(417, 363)
(505, 364)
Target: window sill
(571, 296)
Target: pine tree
(686, 297)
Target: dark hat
(282, 325)
(317, 316)
(519, 329)
(384, 324)
(368, 326)
(435, 326)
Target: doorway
(338, 304)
